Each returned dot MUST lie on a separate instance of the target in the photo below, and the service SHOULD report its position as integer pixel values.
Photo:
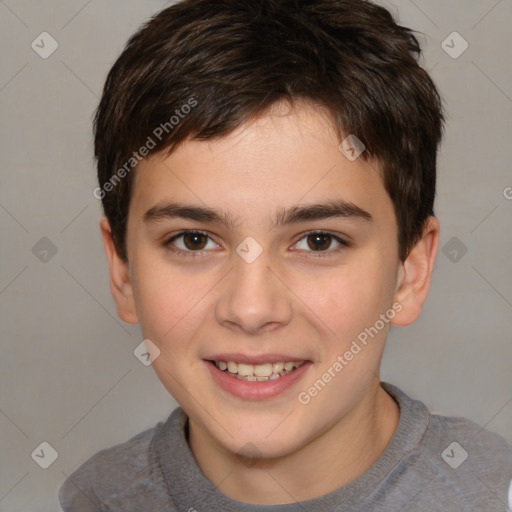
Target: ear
(120, 283)
(415, 275)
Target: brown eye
(189, 242)
(319, 241)
(194, 241)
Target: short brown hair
(231, 60)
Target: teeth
(277, 367)
(258, 372)
(261, 370)
(244, 370)
(251, 378)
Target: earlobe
(415, 275)
(120, 282)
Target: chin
(260, 439)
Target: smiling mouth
(257, 372)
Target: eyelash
(314, 254)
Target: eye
(193, 242)
(320, 241)
(189, 242)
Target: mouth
(257, 372)
(257, 378)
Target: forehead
(286, 157)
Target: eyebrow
(296, 214)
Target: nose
(254, 299)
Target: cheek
(350, 300)
(171, 308)
(169, 304)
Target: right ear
(120, 283)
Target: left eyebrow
(294, 215)
(321, 211)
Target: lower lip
(256, 390)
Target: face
(267, 246)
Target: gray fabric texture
(421, 470)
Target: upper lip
(256, 359)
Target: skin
(288, 301)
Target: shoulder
(452, 460)
(473, 462)
(441, 435)
(111, 475)
(468, 440)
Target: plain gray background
(68, 373)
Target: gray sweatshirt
(432, 463)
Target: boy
(267, 171)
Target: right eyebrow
(171, 210)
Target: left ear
(415, 275)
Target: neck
(338, 456)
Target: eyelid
(315, 254)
